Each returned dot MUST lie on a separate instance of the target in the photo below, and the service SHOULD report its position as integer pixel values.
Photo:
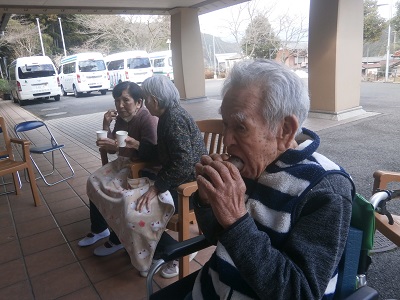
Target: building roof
(102, 7)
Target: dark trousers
(99, 224)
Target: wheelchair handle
(379, 200)
(378, 197)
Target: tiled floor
(39, 255)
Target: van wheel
(63, 91)
(103, 92)
(76, 93)
(57, 98)
(21, 103)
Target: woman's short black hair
(133, 90)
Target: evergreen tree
(259, 40)
(374, 24)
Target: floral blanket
(115, 196)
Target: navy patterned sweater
(290, 242)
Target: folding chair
(44, 142)
(8, 165)
(354, 263)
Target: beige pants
(115, 197)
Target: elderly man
(281, 222)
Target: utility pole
(62, 36)
(388, 43)
(215, 64)
(40, 35)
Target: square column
(335, 54)
(187, 53)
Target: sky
(215, 22)
(384, 7)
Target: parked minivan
(32, 78)
(128, 66)
(83, 72)
(162, 63)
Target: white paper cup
(121, 136)
(101, 134)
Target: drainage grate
(381, 243)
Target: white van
(83, 72)
(128, 66)
(32, 78)
(162, 63)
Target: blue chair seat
(25, 130)
(45, 149)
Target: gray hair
(163, 89)
(283, 92)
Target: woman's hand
(221, 186)
(144, 201)
(108, 144)
(110, 115)
(132, 143)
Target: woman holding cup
(135, 130)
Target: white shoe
(107, 249)
(172, 268)
(92, 238)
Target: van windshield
(138, 63)
(159, 63)
(91, 65)
(35, 71)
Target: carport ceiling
(143, 7)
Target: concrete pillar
(187, 53)
(335, 54)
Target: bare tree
(285, 31)
(109, 34)
(293, 32)
(22, 37)
(159, 31)
(242, 15)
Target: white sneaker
(171, 269)
(107, 249)
(92, 238)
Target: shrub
(208, 73)
(4, 86)
(4, 89)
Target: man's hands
(144, 201)
(221, 186)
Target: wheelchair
(352, 283)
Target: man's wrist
(197, 202)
